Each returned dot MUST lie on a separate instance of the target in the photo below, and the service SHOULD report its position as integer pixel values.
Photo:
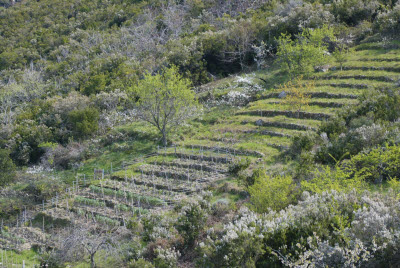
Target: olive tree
(165, 100)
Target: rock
(259, 122)
(282, 95)
(323, 68)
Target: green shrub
(140, 263)
(300, 56)
(336, 179)
(95, 84)
(301, 143)
(192, 221)
(239, 165)
(380, 164)
(84, 122)
(271, 193)
(7, 168)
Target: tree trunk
(92, 263)
(164, 138)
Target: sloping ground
(266, 117)
(204, 150)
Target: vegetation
(279, 126)
(165, 100)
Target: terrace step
(282, 125)
(325, 95)
(330, 104)
(289, 114)
(358, 77)
(380, 59)
(346, 85)
(195, 166)
(224, 150)
(182, 175)
(268, 133)
(214, 159)
(147, 180)
(367, 68)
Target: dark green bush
(239, 165)
(84, 122)
(7, 168)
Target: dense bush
(371, 122)
(271, 193)
(300, 56)
(388, 22)
(192, 220)
(84, 122)
(239, 165)
(353, 12)
(380, 164)
(7, 168)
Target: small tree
(297, 94)
(309, 50)
(82, 241)
(340, 55)
(165, 100)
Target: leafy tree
(7, 167)
(165, 100)
(300, 56)
(340, 55)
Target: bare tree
(76, 243)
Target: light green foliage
(271, 193)
(7, 168)
(165, 100)
(333, 179)
(394, 185)
(340, 55)
(378, 165)
(301, 55)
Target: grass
(29, 257)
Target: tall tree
(165, 100)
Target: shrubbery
(7, 168)
(84, 122)
(271, 193)
(327, 229)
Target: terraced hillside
(259, 130)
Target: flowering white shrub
(166, 258)
(329, 229)
(240, 92)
